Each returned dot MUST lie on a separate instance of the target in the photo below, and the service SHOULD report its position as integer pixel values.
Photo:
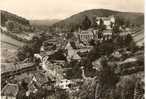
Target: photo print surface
(72, 49)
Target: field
(10, 41)
(9, 47)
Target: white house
(86, 35)
(63, 84)
(106, 21)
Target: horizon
(68, 16)
(59, 10)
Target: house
(107, 34)
(104, 35)
(51, 70)
(9, 91)
(64, 84)
(86, 35)
(59, 62)
(37, 81)
(50, 44)
(40, 78)
(116, 55)
(107, 21)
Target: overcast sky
(60, 9)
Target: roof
(68, 46)
(40, 78)
(129, 60)
(76, 57)
(90, 31)
(108, 30)
(10, 90)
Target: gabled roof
(68, 46)
(10, 90)
(76, 57)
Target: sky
(61, 9)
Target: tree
(94, 24)
(28, 50)
(59, 55)
(132, 46)
(107, 80)
(24, 52)
(117, 25)
(73, 27)
(119, 21)
(10, 25)
(69, 35)
(127, 23)
(92, 42)
(116, 29)
(86, 23)
(101, 25)
(129, 38)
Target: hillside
(13, 35)
(138, 36)
(15, 23)
(47, 22)
(43, 25)
(11, 41)
(76, 20)
(7, 16)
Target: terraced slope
(138, 36)
(9, 47)
(11, 41)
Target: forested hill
(7, 16)
(76, 20)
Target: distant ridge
(46, 22)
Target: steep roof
(68, 46)
(76, 57)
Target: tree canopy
(86, 23)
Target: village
(70, 68)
